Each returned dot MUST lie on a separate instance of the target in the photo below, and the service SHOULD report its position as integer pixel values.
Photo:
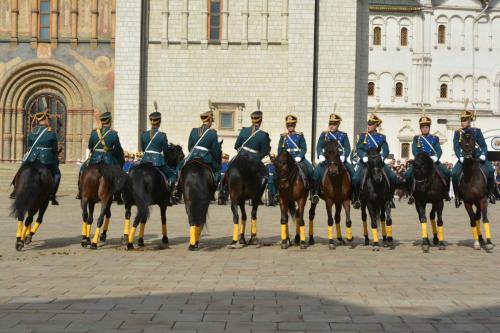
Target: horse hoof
(331, 245)
(303, 245)
(130, 246)
(164, 240)
(477, 245)
(19, 245)
(384, 243)
(425, 248)
(253, 241)
(311, 240)
(435, 240)
(93, 246)
(28, 239)
(284, 245)
(85, 242)
(242, 241)
(103, 237)
(192, 248)
(197, 245)
(350, 239)
(140, 242)
(375, 248)
(367, 241)
(489, 247)
(442, 246)
(232, 246)
(341, 241)
(124, 239)
(296, 240)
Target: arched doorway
(57, 110)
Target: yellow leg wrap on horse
(284, 232)
(235, 232)
(474, 233)
(478, 227)
(164, 229)
(84, 229)
(311, 228)
(24, 232)
(192, 235)
(88, 230)
(487, 230)
(330, 232)
(95, 240)
(131, 235)
(440, 234)
(35, 227)
(375, 234)
(384, 228)
(197, 233)
(339, 231)
(297, 226)
(243, 226)
(365, 228)
(19, 228)
(126, 227)
(423, 226)
(389, 230)
(302, 234)
(254, 227)
(349, 232)
(106, 224)
(434, 227)
(142, 227)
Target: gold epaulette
(284, 134)
(300, 133)
(49, 129)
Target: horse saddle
(203, 164)
(303, 174)
(440, 176)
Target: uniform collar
(374, 132)
(291, 133)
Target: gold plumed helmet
(466, 113)
(291, 119)
(208, 115)
(424, 120)
(225, 156)
(44, 111)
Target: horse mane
(331, 147)
(175, 155)
(423, 159)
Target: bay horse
(244, 182)
(376, 195)
(99, 183)
(292, 190)
(33, 189)
(148, 186)
(336, 191)
(198, 187)
(429, 187)
(473, 188)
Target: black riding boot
(356, 203)
(57, 180)
(411, 199)
(316, 188)
(492, 190)
(458, 200)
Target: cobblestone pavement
(55, 285)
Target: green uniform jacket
(158, 149)
(259, 144)
(208, 149)
(45, 149)
(110, 152)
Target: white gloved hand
(321, 159)
(461, 159)
(298, 159)
(365, 159)
(342, 158)
(482, 158)
(434, 158)
(388, 161)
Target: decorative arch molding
(35, 77)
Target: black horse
(173, 159)
(376, 195)
(198, 187)
(244, 182)
(429, 187)
(32, 189)
(147, 186)
(473, 188)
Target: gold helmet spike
(155, 105)
(258, 104)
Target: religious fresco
(4, 18)
(104, 21)
(84, 19)
(65, 18)
(5, 66)
(24, 18)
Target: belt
(200, 148)
(251, 150)
(152, 152)
(43, 148)
(101, 150)
(293, 149)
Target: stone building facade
(233, 52)
(61, 51)
(436, 54)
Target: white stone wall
(127, 59)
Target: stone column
(7, 135)
(70, 135)
(284, 22)
(74, 23)
(113, 23)
(166, 14)
(13, 22)
(34, 23)
(225, 25)
(265, 21)
(95, 14)
(19, 135)
(54, 23)
(244, 35)
(185, 23)
(204, 24)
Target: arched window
(377, 36)
(404, 36)
(441, 34)
(405, 150)
(214, 22)
(44, 20)
(443, 91)
(399, 89)
(371, 89)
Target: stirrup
(492, 198)
(315, 198)
(356, 204)
(458, 202)
(411, 200)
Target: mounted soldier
(429, 144)
(295, 144)
(42, 147)
(481, 152)
(371, 139)
(343, 145)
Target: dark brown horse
(32, 190)
(292, 190)
(99, 183)
(336, 191)
(473, 188)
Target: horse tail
(28, 188)
(141, 192)
(199, 193)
